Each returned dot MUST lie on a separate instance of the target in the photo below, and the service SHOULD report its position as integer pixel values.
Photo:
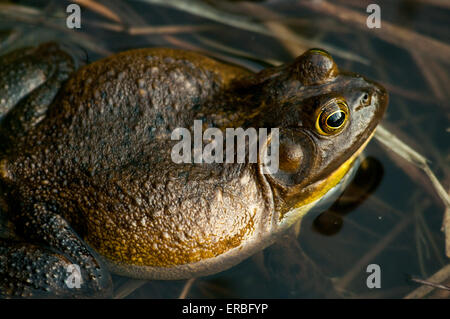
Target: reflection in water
(365, 182)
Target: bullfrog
(90, 187)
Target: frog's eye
(332, 117)
(366, 99)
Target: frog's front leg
(50, 261)
(30, 78)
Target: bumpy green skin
(89, 178)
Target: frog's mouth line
(323, 188)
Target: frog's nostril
(383, 99)
(381, 95)
(379, 89)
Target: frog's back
(115, 107)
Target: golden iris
(332, 117)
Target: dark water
(398, 226)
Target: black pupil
(365, 97)
(336, 119)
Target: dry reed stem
(36, 17)
(206, 11)
(446, 229)
(438, 277)
(128, 288)
(438, 3)
(169, 29)
(233, 51)
(187, 287)
(362, 263)
(408, 94)
(279, 29)
(100, 9)
(389, 32)
(431, 284)
(429, 71)
(404, 151)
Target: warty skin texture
(97, 162)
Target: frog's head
(325, 117)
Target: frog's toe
(53, 261)
(31, 271)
